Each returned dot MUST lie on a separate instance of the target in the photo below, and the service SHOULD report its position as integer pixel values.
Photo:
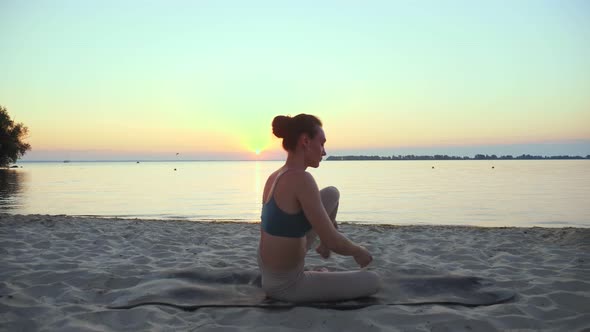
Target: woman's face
(315, 149)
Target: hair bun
(280, 126)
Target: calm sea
(550, 193)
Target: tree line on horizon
(446, 157)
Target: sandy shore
(55, 271)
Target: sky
(126, 80)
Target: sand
(56, 273)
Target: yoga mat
(191, 290)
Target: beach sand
(56, 270)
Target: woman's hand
(323, 251)
(363, 257)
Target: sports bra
(277, 222)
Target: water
(550, 193)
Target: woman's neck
(295, 161)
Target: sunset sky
(144, 80)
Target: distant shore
(446, 157)
(330, 158)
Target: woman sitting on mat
(295, 213)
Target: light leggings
(298, 285)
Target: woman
(295, 213)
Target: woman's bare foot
(323, 251)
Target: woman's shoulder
(289, 175)
(303, 180)
(299, 174)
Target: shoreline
(250, 222)
(56, 273)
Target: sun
(257, 152)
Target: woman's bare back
(277, 252)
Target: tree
(12, 146)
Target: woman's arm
(308, 195)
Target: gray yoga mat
(191, 290)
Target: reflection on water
(11, 188)
(257, 181)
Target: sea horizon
(329, 158)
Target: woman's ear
(305, 140)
